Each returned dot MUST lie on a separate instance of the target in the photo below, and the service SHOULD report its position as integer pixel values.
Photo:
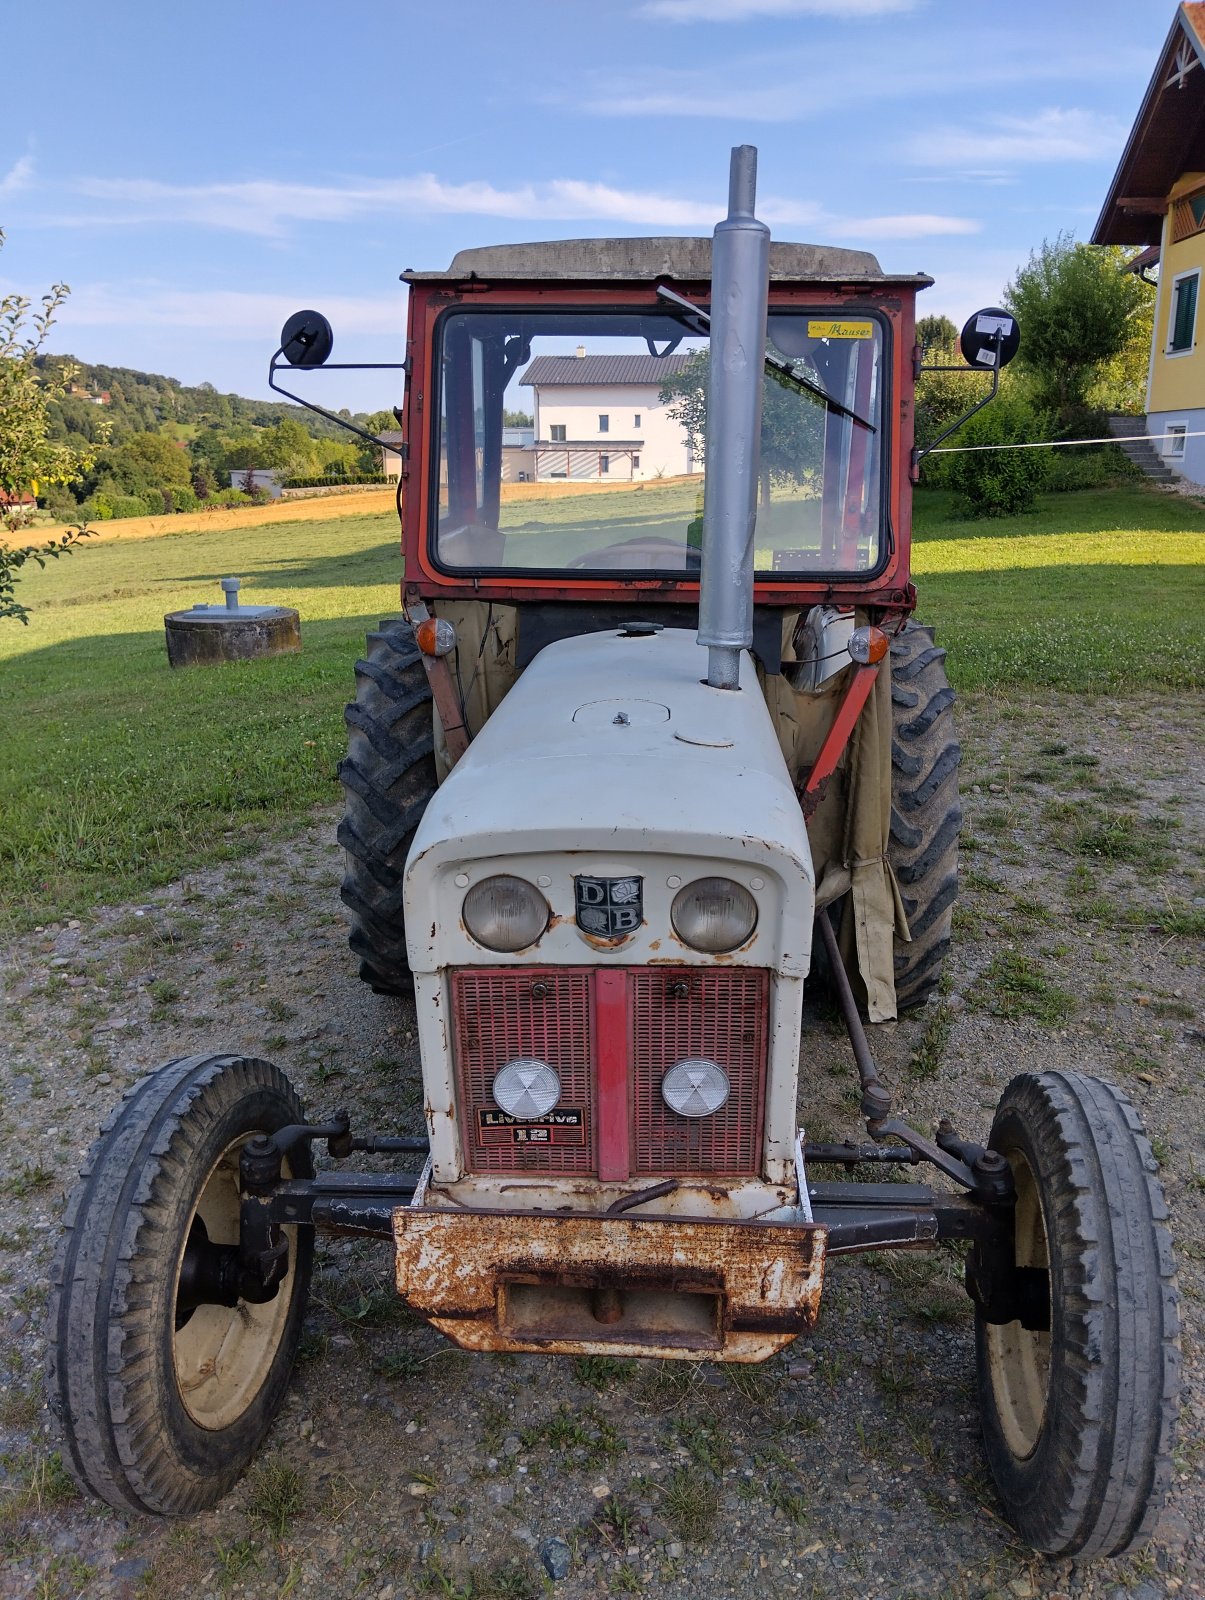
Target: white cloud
(268, 208)
(265, 207)
(795, 83)
(1046, 136)
(18, 176)
(741, 10)
(918, 225)
(222, 313)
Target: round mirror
(989, 333)
(306, 339)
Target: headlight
(527, 1089)
(713, 914)
(505, 913)
(695, 1088)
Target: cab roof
(643, 260)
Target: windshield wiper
(700, 322)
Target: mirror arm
(334, 366)
(919, 455)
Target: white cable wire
(1059, 444)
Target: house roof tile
(548, 372)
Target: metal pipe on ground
(740, 282)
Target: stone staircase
(1142, 452)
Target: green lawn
(118, 773)
(1100, 590)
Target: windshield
(576, 442)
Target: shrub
(333, 480)
(134, 505)
(1091, 468)
(998, 483)
(228, 497)
(61, 504)
(183, 499)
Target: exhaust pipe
(740, 282)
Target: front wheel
(1079, 1417)
(163, 1398)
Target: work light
(527, 1088)
(695, 1087)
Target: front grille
(500, 1015)
(670, 1014)
(698, 1012)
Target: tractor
(647, 753)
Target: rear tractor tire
(388, 779)
(925, 812)
(1079, 1416)
(162, 1397)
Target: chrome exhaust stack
(740, 282)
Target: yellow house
(1157, 199)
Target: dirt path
(850, 1466)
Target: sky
(195, 173)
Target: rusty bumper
(588, 1285)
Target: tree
(149, 461)
(29, 457)
(792, 427)
(516, 419)
(937, 335)
(1075, 306)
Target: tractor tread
(1097, 1476)
(925, 814)
(388, 778)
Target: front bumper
(581, 1284)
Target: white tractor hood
(611, 755)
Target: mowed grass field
(117, 773)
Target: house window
(604, 464)
(557, 433)
(1188, 217)
(1182, 324)
(1174, 435)
(636, 419)
(604, 423)
(635, 463)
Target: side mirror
(306, 339)
(990, 339)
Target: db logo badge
(609, 908)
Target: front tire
(1079, 1421)
(925, 812)
(162, 1405)
(388, 779)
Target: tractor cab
(603, 348)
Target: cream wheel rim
(222, 1355)
(1018, 1359)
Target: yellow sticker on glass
(831, 329)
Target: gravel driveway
(850, 1465)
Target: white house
(601, 416)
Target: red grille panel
(498, 1015)
(654, 1017)
(720, 1014)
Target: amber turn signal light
(868, 645)
(435, 636)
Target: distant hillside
(133, 402)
